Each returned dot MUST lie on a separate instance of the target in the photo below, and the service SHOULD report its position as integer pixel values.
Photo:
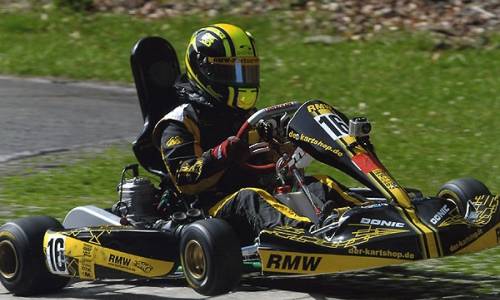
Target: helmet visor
(234, 71)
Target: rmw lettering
(289, 262)
(118, 260)
(382, 222)
(440, 214)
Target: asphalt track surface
(385, 283)
(39, 116)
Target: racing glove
(232, 149)
(265, 130)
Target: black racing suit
(221, 187)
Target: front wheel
(211, 256)
(22, 263)
(462, 190)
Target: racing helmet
(221, 60)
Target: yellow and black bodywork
(380, 235)
(111, 252)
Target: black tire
(22, 262)
(211, 256)
(462, 190)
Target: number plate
(54, 252)
(333, 125)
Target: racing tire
(211, 256)
(462, 190)
(23, 271)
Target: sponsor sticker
(319, 109)
(86, 269)
(467, 240)
(440, 214)
(293, 262)
(381, 253)
(174, 141)
(119, 261)
(143, 266)
(365, 163)
(379, 222)
(387, 181)
(194, 168)
(128, 263)
(87, 250)
(310, 140)
(207, 39)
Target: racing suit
(187, 136)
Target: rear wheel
(22, 263)
(462, 190)
(211, 256)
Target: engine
(137, 196)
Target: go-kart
(390, 224)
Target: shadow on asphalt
(384, 283)
(387, 283)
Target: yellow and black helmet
(222, 61)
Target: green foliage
(76, 5)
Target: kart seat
(155, 69)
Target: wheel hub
(9, 262)
(195, 260)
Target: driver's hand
(265, 130)
(232, 149)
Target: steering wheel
(267, 168)
(262, 114)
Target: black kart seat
(155, 68)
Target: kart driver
(201, 153)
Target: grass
(51, 186)
(434, 114)
(433, 119)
